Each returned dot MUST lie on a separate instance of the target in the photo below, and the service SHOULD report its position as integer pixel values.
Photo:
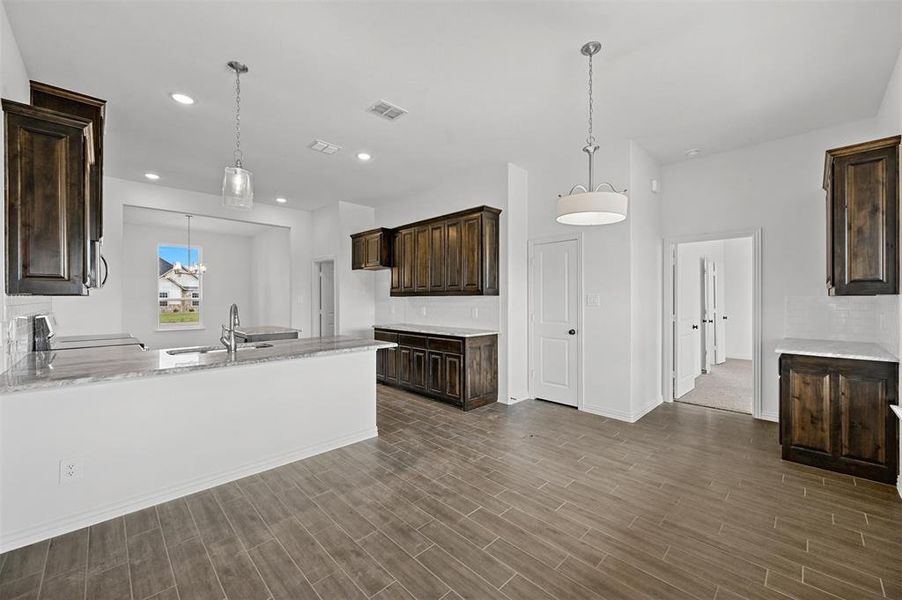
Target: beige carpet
(727, 387)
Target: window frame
(187, 301)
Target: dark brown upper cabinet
(862, 185)
(451, 255)
(48, 163)
(371, 249)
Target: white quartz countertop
(436, 330)
(835, 349)
(54, 369)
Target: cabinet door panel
(373, 250)
(46, 203)
(408, 260)
(810, 409)
(453, 256)
(358, 253)
(864, 195)
(405, 365)
(453, 374)
(418, 359)
(436, 381)
(471, 267)
(380, 364)
(391, 365)
(421, 253)
(437, 257)
(862, 413)
(396, 263)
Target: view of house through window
(179, 289)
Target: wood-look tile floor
(534, 501)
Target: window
(180, 291)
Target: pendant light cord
(238, 154)
(590, 140)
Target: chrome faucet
(228, 333)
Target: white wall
(775, 186)
(270, 288)
(645, 282)
(514, 310)
(102, 311)
(736, 272)
(605, 330)
(228, 260)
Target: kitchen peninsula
(144, 427)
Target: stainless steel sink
(215, 349)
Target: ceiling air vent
(387, 110)
(324, 147)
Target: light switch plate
(593, 300)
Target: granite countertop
(436, 330)
(53, 369)
(835, 349)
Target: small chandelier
(237, 183)
(194, 268)
(590, 205)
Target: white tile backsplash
(16, 325)
(844, 318)
(474, 312)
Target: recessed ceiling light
(182, 98)
(152, 176)
(281, 200)
(693, 152)
(363, 156)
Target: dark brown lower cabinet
(459, 370)
(835, 414)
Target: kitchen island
(144, 427)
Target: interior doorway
(554, 319)
(712, 322)
(324, 317)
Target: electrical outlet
(423, 311)
(71, 469)
(593, 300)
(474, 313)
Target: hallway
(727, 387)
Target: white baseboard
(621, 415)
(43, 531)
(513, 400)
(899, 485)
(770, 416)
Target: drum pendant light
(590, 205)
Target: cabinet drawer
(386, 336)
(414, 341)
(446, 345)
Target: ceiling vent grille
(324, 147)
(387, 110)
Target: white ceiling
(482, 81)
(176, 220)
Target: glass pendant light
(238, 183)
(591, 205)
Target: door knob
(695, 326)
(572, 332)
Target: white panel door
(326, 298)
(555, 293)
(707, 315)
(720, 325)
(687, 332)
